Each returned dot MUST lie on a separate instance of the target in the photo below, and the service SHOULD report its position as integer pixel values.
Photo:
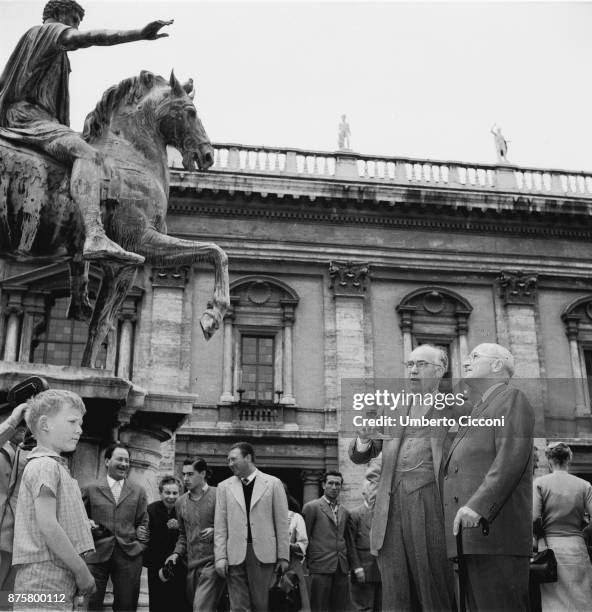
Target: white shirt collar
(112, 481)
(251, 477)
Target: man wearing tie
(116, 508)
(251, 532)
(408, 518)
(329, 546)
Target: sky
(415, 79)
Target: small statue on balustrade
(343, 138)
(501, 144)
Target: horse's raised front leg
(117, 280)
(162, 250)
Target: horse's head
(182, 128)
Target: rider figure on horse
(34, 109)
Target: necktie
(116, 490)
(245, 481)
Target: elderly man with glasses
(408, 519)
(488, 478)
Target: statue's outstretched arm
(73, 39)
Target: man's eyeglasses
(419, 364)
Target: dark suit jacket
(121, 519)
(360, 519)
(162, 539)
(328, 544)
(489, 469)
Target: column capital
(462, 322)
(406, 317)
(348, 279)
(311, 476)
(14, 300)
(572, 325)
(288, 311)
(518, 287)
(173, 277)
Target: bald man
(488, 475)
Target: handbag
(543, 564)
(284, 593)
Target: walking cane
(462, 566)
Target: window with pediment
(258, 342)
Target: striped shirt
(46, 468)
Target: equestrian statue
(101, 196)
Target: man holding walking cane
(487, 481)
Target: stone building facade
(339, 265)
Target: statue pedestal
(346, 166)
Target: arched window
(434, 315)
(577, 318)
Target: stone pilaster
(519, 297)
(518, 292)
(349, 283)
(168, 289)
(227, 396)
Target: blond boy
(51, 526)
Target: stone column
(128, 317)
(35, 305)
(406, 325)
(312, 488)
(572, 329)
(349, 283)
(13, 313)
(124, 368)
(288, 320)
(227, 396)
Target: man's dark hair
(111, 449)
(332, 473)
(53, 9)
(245, 449)
(167, 480)
(200, 465)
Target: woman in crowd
(298, 546)
(560, 503)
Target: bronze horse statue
(131, 126)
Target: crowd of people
(431, 495)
